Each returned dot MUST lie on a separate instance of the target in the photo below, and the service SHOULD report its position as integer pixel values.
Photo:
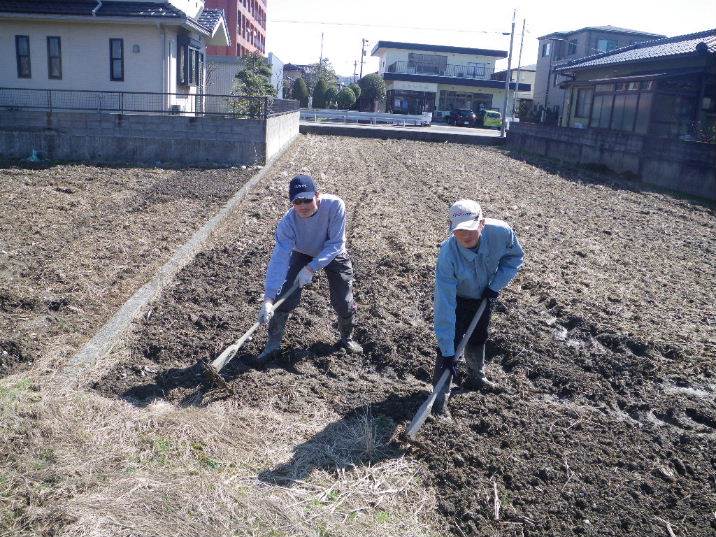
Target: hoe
(212, 369)
(426, 407)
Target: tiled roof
(207, 20)
(84, 8)
(611, 29)
(681, 45)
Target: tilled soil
(77, 240)
(604, 344)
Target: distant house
(119, 46)
(436, 78)
(568, 46)
(524, 75)
(664, 87)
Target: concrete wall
(207, 141)
(280, 132)
(686, 167)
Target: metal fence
(135, 102)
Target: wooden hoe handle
(422, 413)
(230, 351)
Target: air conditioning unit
(176, 109)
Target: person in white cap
(477, 261)
(311, 236)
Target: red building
(246, 21)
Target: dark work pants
(340, 283)
(465, 310)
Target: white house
(118, 46)
(436, 78)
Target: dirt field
(604, 345)
(77, 240)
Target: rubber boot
(440, 406)
(475, 365)
(345, 325)
(276, 329)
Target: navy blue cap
(302, 186)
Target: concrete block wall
(202, 141)
(686, 167)
(280, 132)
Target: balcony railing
(479, 71)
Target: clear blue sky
(468, 23)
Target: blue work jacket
(466, 273)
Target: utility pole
(508, 77)
(320, 60)
(355, 69)
(519, 65)
(362, 55)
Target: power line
(388, 26)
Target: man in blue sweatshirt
(478, 260)
(311, 236)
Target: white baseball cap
(465, 214)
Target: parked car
(462, 117)
(489, 119)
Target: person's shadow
(204, 389)
(364, 436)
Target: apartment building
(569, 46)
(423, 78)
(246, 23)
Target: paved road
(435, 128)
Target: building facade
(423, 78)
(523, 75)
(246, 23)
(664, 88)
(115, 46)
(569, 46)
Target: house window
(546, 49)
(605, 45)
(190, 65)
(22, 50)
(624, 112)
(54, 58)
(584, 100)
(116, 59)
(642, 113)
(572, 47)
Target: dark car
(462, 117)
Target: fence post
(121, 102)
(49, 100)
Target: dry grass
(74, 463)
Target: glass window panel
(584, 100)
(630, 103)
(23, 45)
(618, 112)
(642, 115)
(54, 45)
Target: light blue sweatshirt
(466, 273)
(322, 236)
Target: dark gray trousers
(340, 283)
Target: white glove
(266, 312)
(305, 276)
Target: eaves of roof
(438, 48)
(495, 84)
(609, 29)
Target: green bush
(346, 98)
(300, 92)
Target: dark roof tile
(659, 48)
